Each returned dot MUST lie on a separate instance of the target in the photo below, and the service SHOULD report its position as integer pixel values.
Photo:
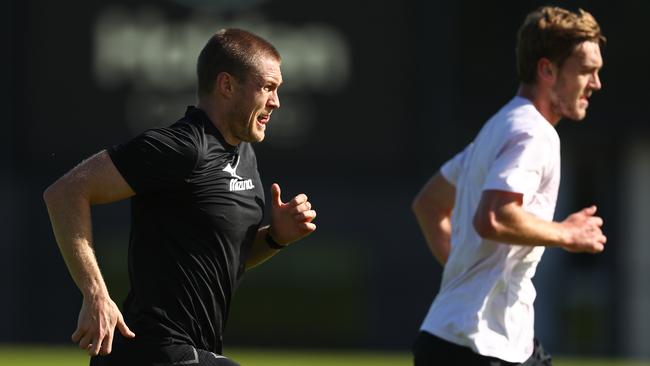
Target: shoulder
(522, 121)
(187, 128)
(158, 158)
(180, 142)
(187, 133)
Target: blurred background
(376, 96)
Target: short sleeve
(452, 168)
(157, 160)
(519, 165)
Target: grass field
(69, 356)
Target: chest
(227, 191)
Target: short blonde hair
(552, 33)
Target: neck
(541, 99)
(213, 109)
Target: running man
(197, 206)
(487, 214)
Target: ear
(225, 85)
(546, 71)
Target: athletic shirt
(486, 296)
(198, 205)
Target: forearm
(68, 200)
(436, 228)
(500, 217)
(260, 250)
(291, 221)
(69, 213)
(513, 225)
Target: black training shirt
(198, 205)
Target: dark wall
(421, 80)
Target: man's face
(255, 99)
(576, 80)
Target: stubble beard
(240, 129)
(574, 111)
(569, 109)
(240, 125)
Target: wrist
(95, 292)
(565, 238)
(268, 238)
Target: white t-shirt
(486, 295)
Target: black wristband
(271, 242)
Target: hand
(584, 232)
(290, 221)
(98, 318)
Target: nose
(274, 100)
(595, 82)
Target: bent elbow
(420, 206)
(485, 226)
(416, 205)
(51, 193)
(60, 190)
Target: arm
(290, 222)
(432, 208)
(501, 217)
(68, 201)
(260, 251)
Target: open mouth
(264, 118)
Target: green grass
(69, 356)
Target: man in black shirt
(197, 205)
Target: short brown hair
(231, 50)
(553, 33)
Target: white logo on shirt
(237, 183)
(232, 171)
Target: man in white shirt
(487, 214)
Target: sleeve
(157, 160)
(452, 168)
(519, 165)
